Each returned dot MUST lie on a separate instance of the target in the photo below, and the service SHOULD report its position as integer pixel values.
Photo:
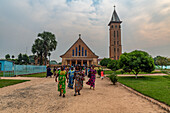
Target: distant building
(79, 54)
(115, 47)
(35, 60)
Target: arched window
(117, 33)
(79, 49)
(85, 52)
(117, 42)
(117, 49)
(82, 51)
(112, 26)
(114, 42)
(73, 52)
(115, 26)
(114, 34)
(76, 51)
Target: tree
(25, 59)
(137, 61)
(19, 59)
(113, 65)
(7, 56)
(105, 61)
(160, 60)
(38, 49)
(13, 56)
(49, 43)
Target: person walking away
(49, 73)
(71, 75)
(91, 81)
(62, 81)
(54, 71)
(78, 81)
(102, 74)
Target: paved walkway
(40, 96)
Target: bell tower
(115, 47)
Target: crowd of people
(73, 77)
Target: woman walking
(78, 76)
(62, 75)
(91, 81)
(71, 75)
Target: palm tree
(38, 49)
(49, 43)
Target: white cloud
(146, 24)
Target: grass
(4, 82)
(1, 74)
(41, 75)
(157, 87)
(119, 72)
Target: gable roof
(83, 43)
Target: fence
(13, 70)
(164, 67)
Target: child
(102, 74)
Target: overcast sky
(145, 26)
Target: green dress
(62, 81)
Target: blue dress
(71, 81)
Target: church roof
(115, 18)
(79, 40)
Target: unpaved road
(41, 96)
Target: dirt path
(40, 96)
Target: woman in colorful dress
(62, 76)
(91, 81)
(78, 76)
(71, 75)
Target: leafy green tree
(113, 65)
(25, 59)
(7, 56)
(160, 60)
(137, 61)
(13, 56)
(113, 78)
(19, 59)
(105, 61)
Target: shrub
(113, 78)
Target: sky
(145, 26)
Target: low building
(79, 54)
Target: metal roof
(115, 18)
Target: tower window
(76, 51)
(117, 42)
(117, 57)
(112, 26)
(114, 34)
(114, 42)
(117, 49)
(73, 52)
(119, 26)
(115, 26)
(117, 33)
(114, 49)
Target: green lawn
(157, 87)
(119, 72)
(4, 82)
(41, 75)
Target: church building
(79, 54)
(115, 47)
